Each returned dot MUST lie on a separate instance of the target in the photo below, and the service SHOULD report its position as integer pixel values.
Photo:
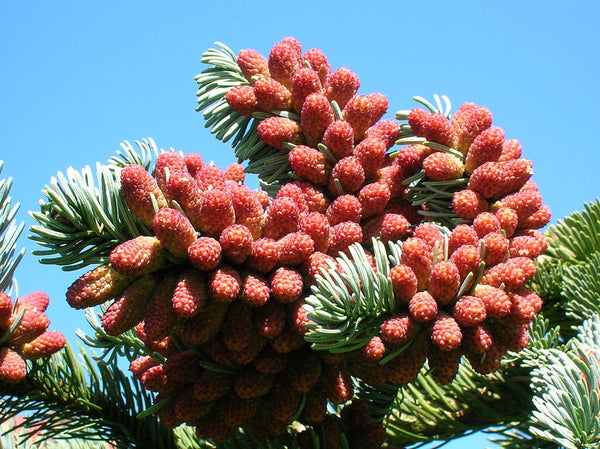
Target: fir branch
(567, 403)
(347, 304)
(221, 74)
(518, 438)
(438, 108)
(547, 281)
(581, 288)
(436, 196)
(564, 399)
(567, 276)
(145, 155)
(425, 411)
(379, 398)
(542, 336)
(9, 234)
(577, 236)
(71, 397)
(13, 436)
(112, 347)
(84, 215)
(569, 288)
(74, 444)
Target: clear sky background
(77, 78)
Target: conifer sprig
(12, 437)
(577, 236)
(568, 277)
(425, 411)
(346, 304)
(77, 397)
(442, 106)
(9, 234)
(221, 74)
(112, 347)
(567, 401)
(422, 191)
(145, 154)
(84, 215)
(559, 353)
(581, 286)
(85, 218)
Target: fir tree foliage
(76, 396)
(567, 275)
(563, 353)
(577, 236)
(421, 190)
(581, 285)
(425, 411)
(542, 397)
(347, 304)
(112, 348)
(11, 437)
(546, 396)
(567, 386)
(221, 74)
(84, 215)
(9, 234)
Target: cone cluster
(333, 136)
(467, 150)
(462, 294)
(457, 295)
(24, 334)
(216, 290)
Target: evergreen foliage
(522, 402)
(546, 396)
(9, 234)
(84, 216)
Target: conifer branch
(71, 397)
(223, 73)
(577, 236)
(519, 438)
(568, 280)
(9, 234)
(425, 411)
(347, 305)
(567, 401)
(84, 215)
(145, 155)
(12, 436)
(113, 347)
(567, 276)
(581, 288)
(542, 336)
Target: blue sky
(78, 78)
